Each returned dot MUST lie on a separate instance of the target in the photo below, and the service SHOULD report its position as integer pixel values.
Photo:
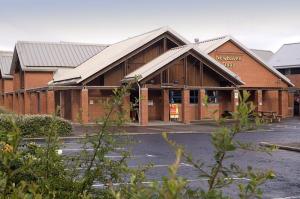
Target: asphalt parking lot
(151, 148)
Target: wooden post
(26, 103)
(258, 100)
(144, 107)
(201, 105)
(50, 102)
(166, 105)
(234, 100)
(84, 106)
(186, 106)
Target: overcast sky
(261, 24)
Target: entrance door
(134, 101)
(296, 108)
(176, 98)
(67, 104)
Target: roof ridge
(141, 34)
(292, 43)
(213, 39)
(61, 42)
(4, 51)
(262, 50)
(182, 46)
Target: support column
(201, 105)
(144, 107)
(50, 102)
(258, 100)
(283, 104)
(234, 100)
(62, 104)
(185, 106)
(43, 103)
(15, 103)
(1, 99)
(84, 105)
(26, 102)
(126, 107)
(5, 104)
(166, 105)
(76, 111)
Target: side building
(287, 61)
(268, 87)
(6, 79)
(32, 67)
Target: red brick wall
(8, 85)
(17, 84)
(211, 111)
(249, 70)
(295, 78)
(34, 103)
(37, 79)
(155, 110)
(194, 112)
(270, 101)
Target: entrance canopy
(158, 63)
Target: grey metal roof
(212, 44)
(110, 55)
(171, 55)
(5, 63)
(263, 54)
(288, 56)
(46, 55)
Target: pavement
(152, 128)
(150, 147)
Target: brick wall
(250, 71)
(295, 78)
(37, 79)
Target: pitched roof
(212, 44)
(171, 55)
(265, 55)
(288, 56)
(52, 55)
(110, 55)
(5, 63)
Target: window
(282, 71)
(193, 96)
(175, 97)
(212, 96)
(295, 70)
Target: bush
(35, 125)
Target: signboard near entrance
(174, 111)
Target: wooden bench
(269, 116)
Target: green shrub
(35, 125)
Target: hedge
(35, 125)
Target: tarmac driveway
(151, 148)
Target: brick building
(287, 61)
(171, 70)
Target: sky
(259, 24)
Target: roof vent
(196, 40)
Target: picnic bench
(270, 116)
